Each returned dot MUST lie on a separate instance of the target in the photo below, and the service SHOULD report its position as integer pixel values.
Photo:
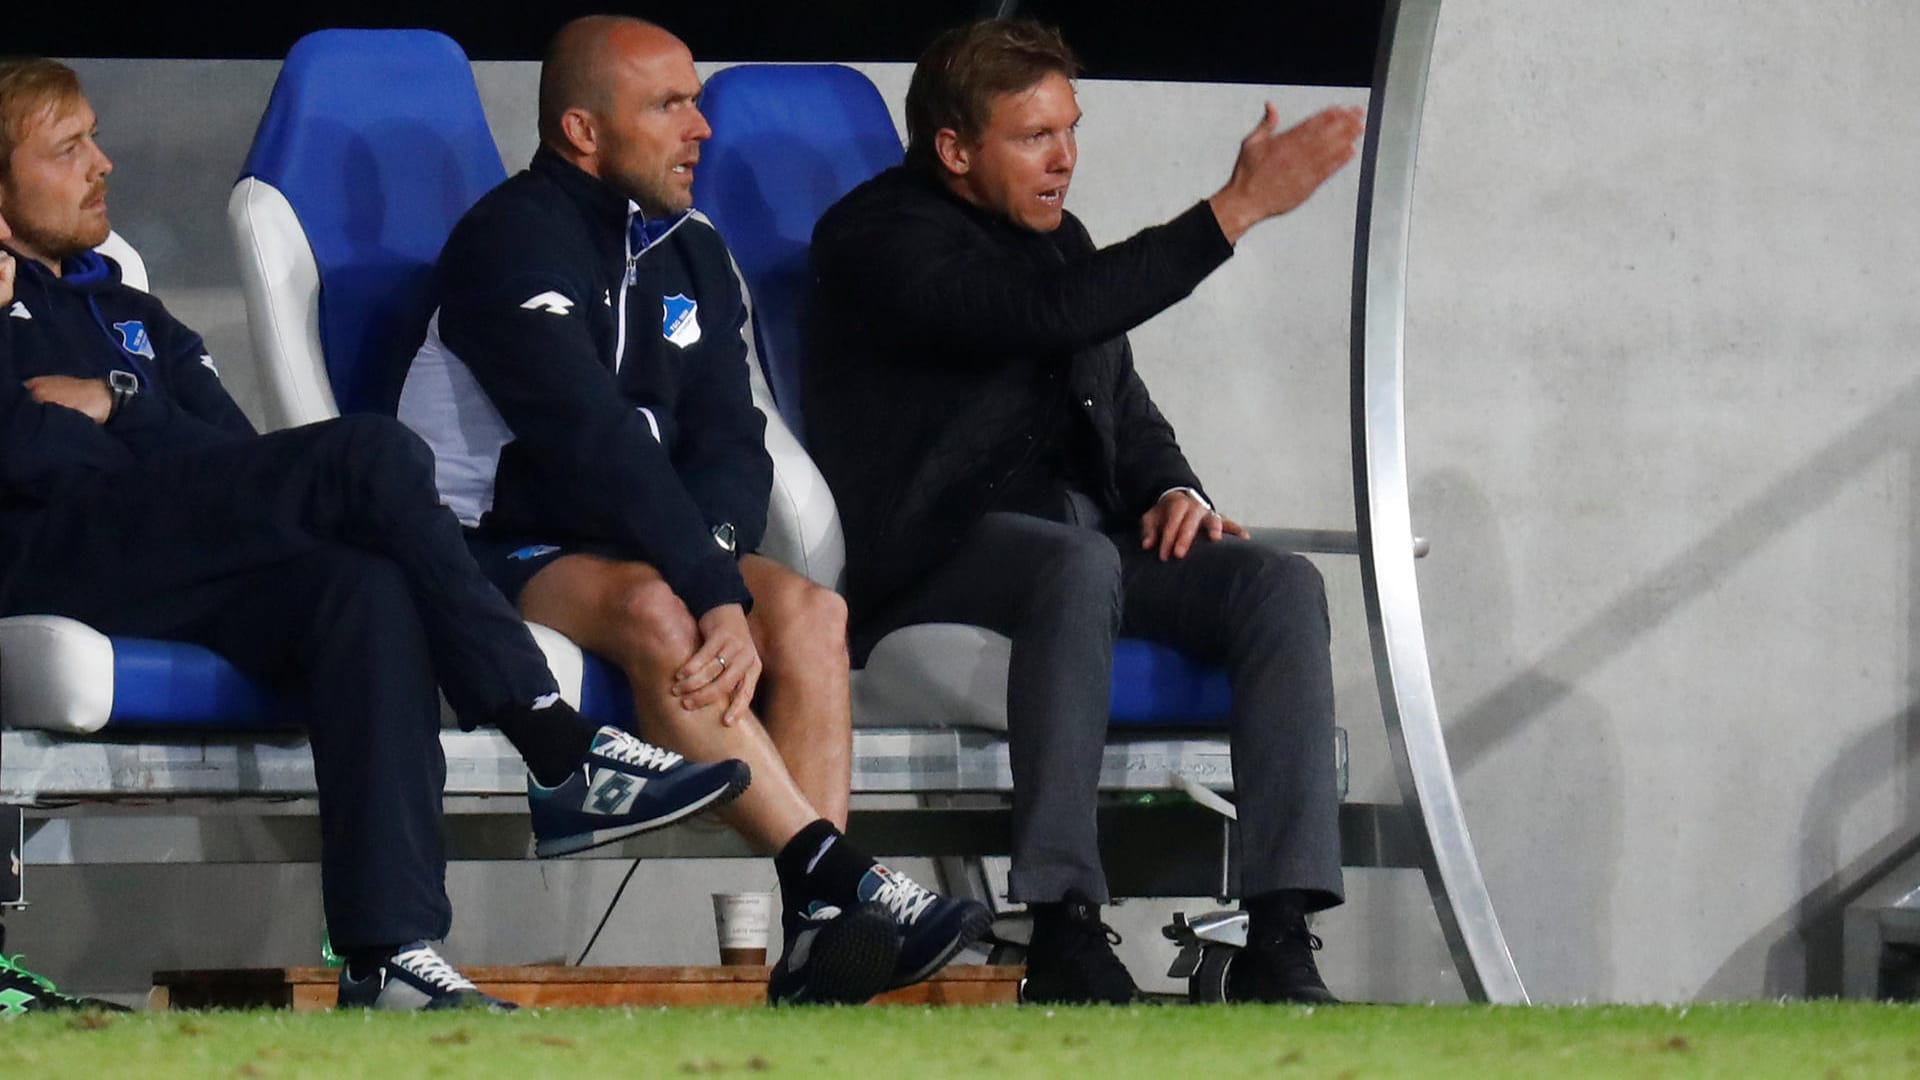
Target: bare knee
(805, 629)
(652, 624)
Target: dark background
(1301, 42)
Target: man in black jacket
(971, 398)
(136, 497)
(584, 386)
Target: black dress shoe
(1071, 960)
(1279, 970)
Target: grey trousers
(1063, 592)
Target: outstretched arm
(919, 270)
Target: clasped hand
(726, 667)
(88, 396)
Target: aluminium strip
(1384, 520)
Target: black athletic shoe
(412, 979)
(22, 992)
(1279, 971)
(625, 787)
(1071, 961)
(933, 928)
(835, 957)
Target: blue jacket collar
(88, 271)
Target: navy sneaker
(834, 957)
(624, 787)
(22, 992)
(412, 979)
(933, 928)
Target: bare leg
(626, 612)
(800, 630)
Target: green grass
(1818, 1039)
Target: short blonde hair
(30, 87)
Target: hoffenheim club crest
(680, 320)
(133, 338)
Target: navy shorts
(510, 561)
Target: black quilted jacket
(938, 332)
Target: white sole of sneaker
(970, 932)
(578, 842)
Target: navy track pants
(320, 561)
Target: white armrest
(934, 675)
(564, 659)
(55, 674)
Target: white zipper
(620, 314)
(633, 262)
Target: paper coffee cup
(743, 921)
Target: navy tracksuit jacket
(584, 378)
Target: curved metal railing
(1383, 517)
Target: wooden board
(308, 988)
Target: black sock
(552, 741)
(1049, 920)
(1274, 915)
(819, 864)
(362, 962)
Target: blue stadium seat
(788, 142)
(371, 148)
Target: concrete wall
(1663, 423)
(1667, 413)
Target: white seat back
(133, 269)
(281, 282)
(803, 527)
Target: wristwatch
(723, 534)
(123, 385)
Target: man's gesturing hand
(89, 396)
(1176, 519)
(726, 667)
(1277, 170)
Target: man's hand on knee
(1174, 522)
(726, 667)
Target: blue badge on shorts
(133, 338)
(680, 320)
(534, 551)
